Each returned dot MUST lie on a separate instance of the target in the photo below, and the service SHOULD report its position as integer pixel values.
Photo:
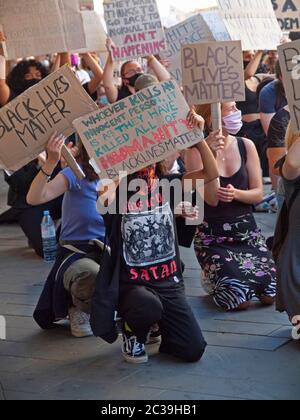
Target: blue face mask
(103, 101)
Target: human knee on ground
(267, 300)
(80, 282)
(141, 309)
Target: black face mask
(133, 79)
(30, 83)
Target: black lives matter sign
(213, 72)
(27, 122)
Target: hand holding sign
(138, 131)
(27, 122)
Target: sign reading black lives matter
(289, 56)
(28, 121)
(213, 72)
(138, 131)
(135, 27)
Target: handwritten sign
(197, 28)
(288, 14)
(135, 27)
(138, 131)
(213, 72)
(27, 122)
(37, 27)
(253, 22)
(289, 56)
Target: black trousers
(30, 220)
(142, 307)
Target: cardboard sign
(138, 131)
(135, 27)
(27, 122)
(38, 27)
(253, 22)
(288, 14)
(198, 28)
(213, 72)
(289, 55)
(94, 32)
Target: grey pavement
(250, 355)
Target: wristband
(45, 173)
(2, 68)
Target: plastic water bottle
(49, 237)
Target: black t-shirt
(148, 244)
(123, 93)
(94, 95)
(278, 128)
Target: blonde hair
(291, 136)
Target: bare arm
(42, 191)
(97, 72)
(158, 69)
(111, 89)
(55, 64)
(4, 89)
(266, 121)
(255, 193)
(203, 166)
(252, 67)
(291, 167)
(65, 58)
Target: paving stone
(250, 355)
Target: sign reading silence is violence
(28, 121)
(138, 131)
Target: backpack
(282, 227)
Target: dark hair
(279, 88)
(123, 67)
(16, 78)
(84, 160)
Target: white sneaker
(80, 323)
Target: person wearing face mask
(130, 72)
(26, 74)
(229, 246)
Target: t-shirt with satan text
(149, 246)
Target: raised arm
(252, 67)
(158, 69)
(201, 164)
(111, 89)
(97, 72)
(42, 191)
(4, 89)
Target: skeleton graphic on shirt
(149, 238)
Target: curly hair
(16, 78)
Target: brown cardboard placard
(288, 14)
(95, 34)
(206, 26)
(38, 27)
(27, 122)
(289, 56)
(213, 72)
(135, 27)
(253, 22)
(140, 130)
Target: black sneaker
(133, 351)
